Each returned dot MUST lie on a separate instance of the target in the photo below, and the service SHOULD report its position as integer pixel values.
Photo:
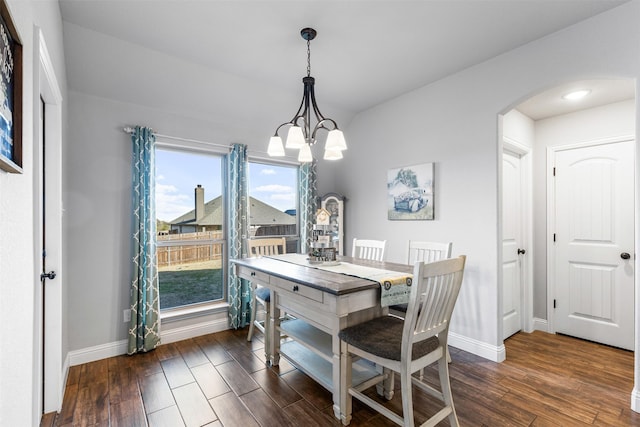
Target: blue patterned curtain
(144, 330)
(237, 208)
(308, 192)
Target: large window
(273, 202)
(190, 241)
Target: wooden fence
(176, 249)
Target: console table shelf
(309, 349)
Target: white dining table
(319, 301)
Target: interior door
(594, 246)
(511, 243)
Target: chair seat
(264, 294)
(382, 337)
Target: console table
(322, 303)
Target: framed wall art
(334, 204)
(410, 192)
(10, 94)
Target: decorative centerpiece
(323, 248)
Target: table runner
(395, 286)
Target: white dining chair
(261, 295)
(428, 251)
(407, 346)
(368, 249)
(424, 252)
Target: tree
(407, 177)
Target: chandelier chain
(308, 58)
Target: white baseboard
(635, 400)
(97, 352)
(540, 325)
(479, 348)
(191, 331)
(104, 351)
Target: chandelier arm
(321, 125)
(278, 128)
(300, 109)
(314, 104)
(308, 92)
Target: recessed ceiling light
(577, 94)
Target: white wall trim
(479, 348)
(191, 331)
(97, 352)
(46, 86)
(540, 325)
(635, 400)
(117, 348)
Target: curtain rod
(129, 130)
(261, 155)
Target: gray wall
(453, 122)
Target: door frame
(46, 87)
(526, 220)
(551, 218)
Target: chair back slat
(266, 247)
(368, 249)
(428, 251)
(434, 292)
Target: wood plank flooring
(221, 380)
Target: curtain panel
(307, 182)
(239, 290)
(144, 329)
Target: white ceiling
(366, 52)
(551, 103)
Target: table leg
(345, 383)
(272, 340)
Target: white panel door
(594, 259)
(511, 243)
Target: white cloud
(268, 172)
(274, 188)
(170, 204)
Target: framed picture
(10, 94)
(410, 192)
(334, 204)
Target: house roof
(260, 213)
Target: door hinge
(554, 171)
(554, 303)
(554, 237)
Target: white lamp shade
(335, 141)
(332, 154)
(295, 137)
(275, 148)
(305, 155)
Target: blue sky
(179, 172)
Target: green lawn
(185, 287)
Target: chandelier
(301, 134)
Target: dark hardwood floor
(221, 380)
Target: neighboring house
(264, 220)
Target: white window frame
(282, 163)
(168, 143)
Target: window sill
(193, 311)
